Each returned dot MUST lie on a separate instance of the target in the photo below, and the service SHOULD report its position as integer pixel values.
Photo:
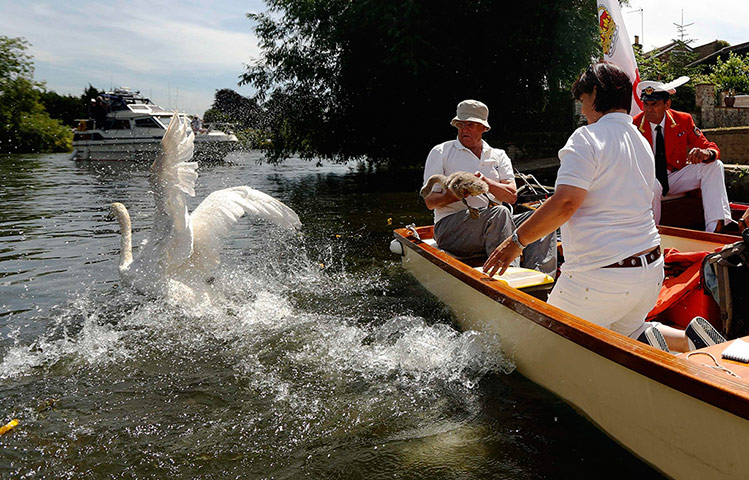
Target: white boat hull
(678, 434)
(132, 129)
(146, 150)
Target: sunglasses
(468, 125)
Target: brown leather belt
(636, 260)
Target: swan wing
(216, 215)
(172, 177)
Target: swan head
(118, 210)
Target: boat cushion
(518, 277)
(682, 280)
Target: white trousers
(709, 178)
(615, 298)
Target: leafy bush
(731, 75)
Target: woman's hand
(501, 257)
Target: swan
(183, 249)
(462, 185)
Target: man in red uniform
(684, 159)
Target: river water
(321, 359)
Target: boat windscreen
(166, 119)
(148, 122)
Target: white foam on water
(94, 343)
(287, 333)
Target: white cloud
(193, 47)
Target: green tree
(380, 79)
(65, 108)
(230, 106)
(675, 66)
(732, 74)
(25, 126)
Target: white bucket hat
(472, 111)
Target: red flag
(616, 46)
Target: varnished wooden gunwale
(695, 380)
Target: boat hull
(147, 149)
(599, 373)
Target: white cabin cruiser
(128, 126)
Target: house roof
(740, 49)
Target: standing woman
(613, 268)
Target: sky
(712, 20)
(178, 53)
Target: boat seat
(682, 296)
(683, 210)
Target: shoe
(701, 334)
(653, 337)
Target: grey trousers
(465, 237)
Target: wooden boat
(678, 413)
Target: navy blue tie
(661, 172)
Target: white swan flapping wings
(183, 246)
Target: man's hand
(503, 190)
(700, 155)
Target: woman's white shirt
(614, 163)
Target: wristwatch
(514, 238)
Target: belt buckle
(643, 260)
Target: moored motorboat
(680, 413)
(130, 127)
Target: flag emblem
(609, 30)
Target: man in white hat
(684, 159)
(454, 229)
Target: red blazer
(680, 135)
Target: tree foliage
(676, 65)
(230, 106)
(380, 79)
(731, 75)
(25, 125)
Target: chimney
(637, 43)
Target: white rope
(717, 366)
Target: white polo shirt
(450, 157)
(614, 163)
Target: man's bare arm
(440, 199)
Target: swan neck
(126, 236)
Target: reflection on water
(322, 358)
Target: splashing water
(287, 364)
(320, 358)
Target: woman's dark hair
(613, 87)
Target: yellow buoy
(8, 426)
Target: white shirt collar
(484, 146)
(662, 124)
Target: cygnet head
(465, 184)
